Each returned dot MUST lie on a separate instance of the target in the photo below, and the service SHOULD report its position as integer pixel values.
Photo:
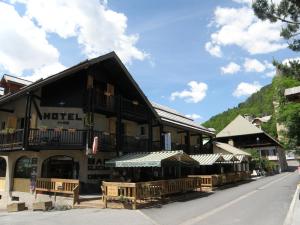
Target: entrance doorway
(60, 167)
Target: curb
(289, 217)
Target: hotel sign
(58, 116)
(61, 116)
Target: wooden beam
(37, 109)
(7, 110)
(181, 132)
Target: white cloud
(288, 60)
(240, 27)
(24, 46)
(253, 65)
(195, 94)
(246, 89)
(231, 68)
(214, 50)
(45, 71)
(194, 116)
(249, 2)
(272, 73)
(98, 29)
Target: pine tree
(286, 11)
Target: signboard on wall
(61, 117)
(96, 169)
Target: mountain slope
(261, 104)
(258, 104)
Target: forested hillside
(258, 104)
(261, 104)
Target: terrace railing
(11, 139)
(57, 138)
(141, 192)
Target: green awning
(208, 159)
(150, 159)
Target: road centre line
(197, 219)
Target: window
(2, 125)
(142, 130)
(2, 167)
(23, 168)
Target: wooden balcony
(105, 103)
(134, 144)
(133, 109)
(57, 139)
(11, 139)
(107, 142)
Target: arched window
(2, 167)
(23, 168)
(60, 167)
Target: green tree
(288, 12)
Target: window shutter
(12, 122)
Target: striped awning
(242, 158)
(208, 159)
(229, 158)
(149, 159)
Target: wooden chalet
(242, 134)
(57, 133)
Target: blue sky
(199, 57)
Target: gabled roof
(81, 66)
(17, 80)
(149, 159)
(230, 149)
(239, 126)
(263, 119)
(292, 91)
(171, 116)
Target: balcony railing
(133, 108)
(107, 142)
(11, 139)
(106, 103)
(134, 144)
(57, 138)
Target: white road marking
(148, 218)
(218, 209)
(289, 217)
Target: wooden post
(150, 134)
(200, 142)
(188, 144)
(134, 197)
(161, 131)
(119, 126)
(27, 121)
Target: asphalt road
(262, 202)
